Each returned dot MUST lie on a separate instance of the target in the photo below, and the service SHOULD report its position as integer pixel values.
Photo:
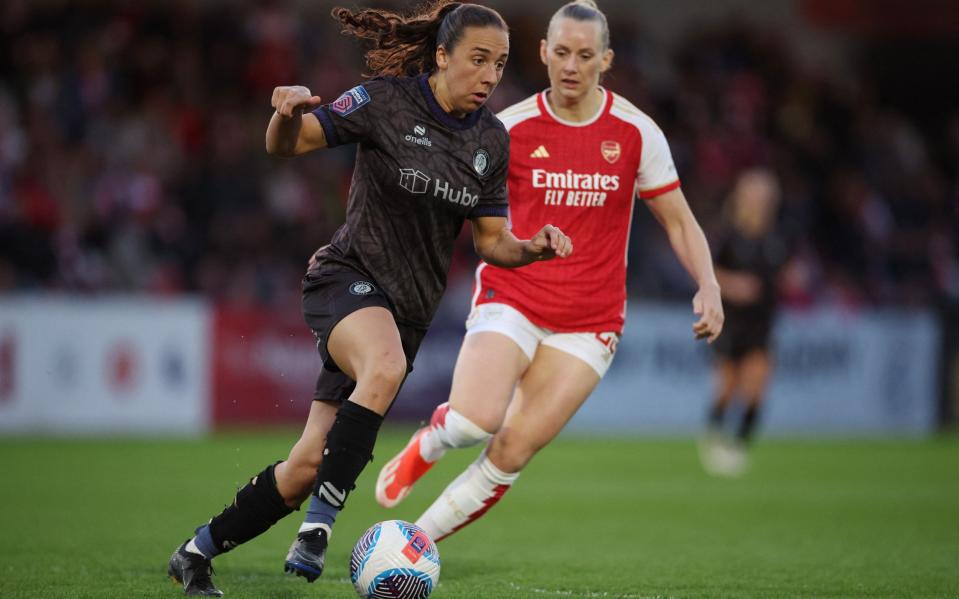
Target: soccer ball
(395, 560)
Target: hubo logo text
(419, 138)
(418, 182)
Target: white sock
(466, 499)
(311, 525)
(449, 430)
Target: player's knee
(461, 431)
(305, 463)
(386, 374)
(511, 450)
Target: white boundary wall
(115, 366)
(142, 366)
(838, 373)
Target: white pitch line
(586, 594)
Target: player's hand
(709, 307)
(549, 243)
(293, 100)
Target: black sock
(748, 424)
(716, 414)
(349, 448)
(257, 507)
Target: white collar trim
(587, 122)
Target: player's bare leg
(295, 476)
(712, 447)
(549, 394)
(366, 345)
(475, 410)
(727, 381)
(753, 377)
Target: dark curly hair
(406, 45)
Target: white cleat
(719, 458)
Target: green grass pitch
(589, 518)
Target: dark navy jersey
(419, 174)
(762, 256)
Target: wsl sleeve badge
(351, 101)
(395, 560)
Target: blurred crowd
(132, 160)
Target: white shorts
(596, 349)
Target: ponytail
(407, 45)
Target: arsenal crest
(611, 151)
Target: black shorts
(329, 296)
(744, 332)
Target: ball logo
(481, 162)
(361, 288)
(416, 547)
(611, 151)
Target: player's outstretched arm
(497, 245)
(289, 133)
(688, 241)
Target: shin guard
(257, 507)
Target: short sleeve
(493, 200)
(657, 173)
(353, 116)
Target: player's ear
(542, 50)
(607, 60)
(442, 58)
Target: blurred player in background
(430, 156)
(539, 341)
(749, 258)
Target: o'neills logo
(575, 181)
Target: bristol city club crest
(611, 151)
(481, 162)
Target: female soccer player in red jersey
(539, 341)
(370, 295)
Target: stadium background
(150, 251)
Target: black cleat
(308, 553)
(193, 571)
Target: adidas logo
(540, 152)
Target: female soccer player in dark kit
(749, 260)
(430, 156)
(580, 155)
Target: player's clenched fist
(549, 243)
(708, 305)
(292, 100)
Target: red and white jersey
(583, 178)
